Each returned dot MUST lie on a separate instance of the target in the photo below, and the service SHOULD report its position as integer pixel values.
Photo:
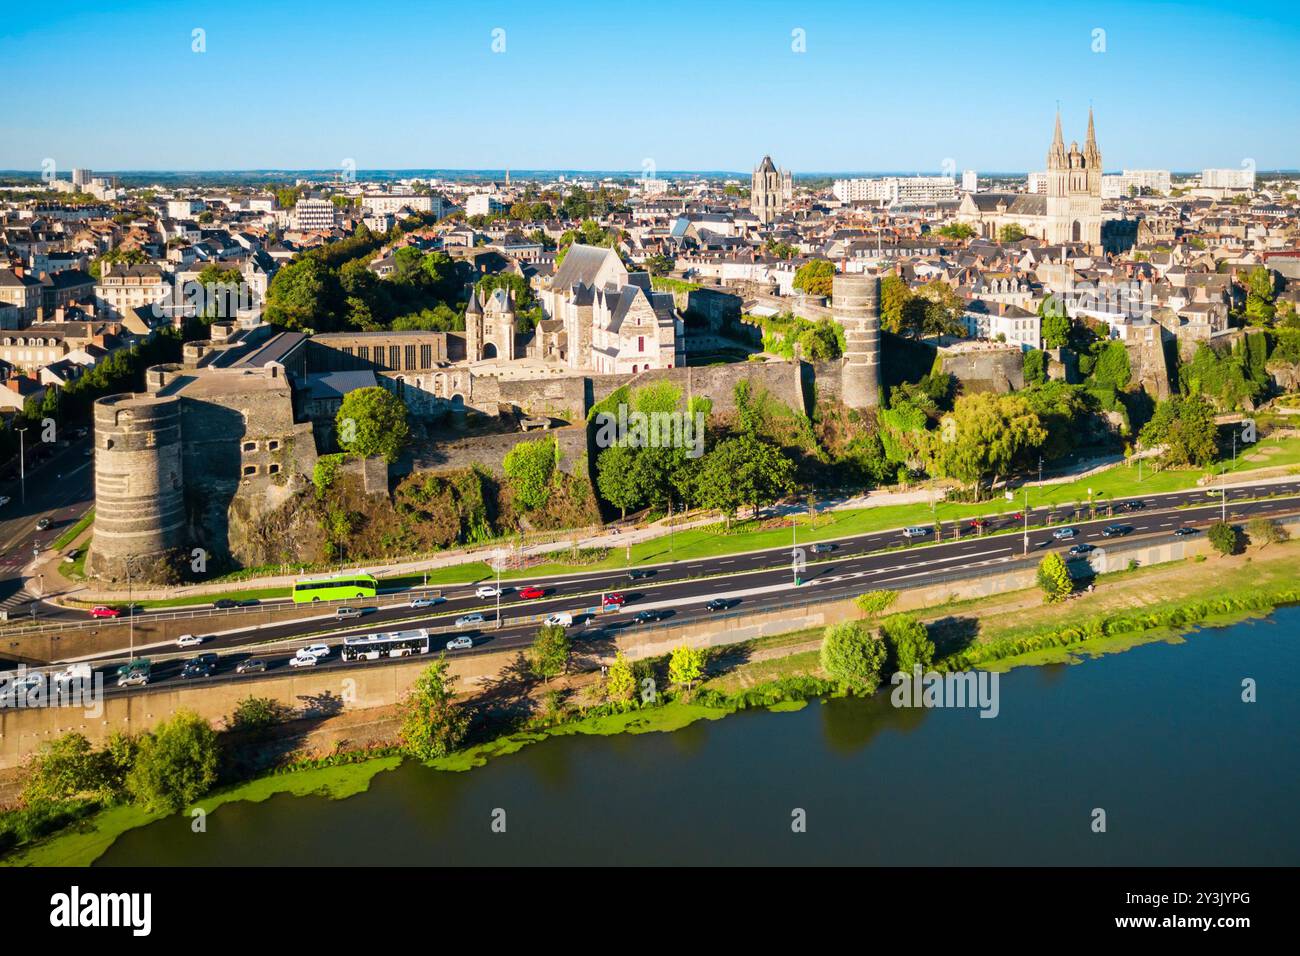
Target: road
(60, 488)
(750, 582)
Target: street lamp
(22, 463)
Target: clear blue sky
(608, 85)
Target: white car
(189, 640)
(1064, 534)
(487, 591)
(460, 644)
(425, 601)
(314, 650)
(302, 660)
(562, 618)
(4, 500)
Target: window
(250, 470)
(640, 343)
(250, 446)
(273, 469)
(410, 357)
(272, 445)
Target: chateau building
(490, 326)
(770, 191)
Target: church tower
(1074, 189)
(771, 191)
(473, 327)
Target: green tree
(372, 421)
(176, 764)
(1011, 232)
(1224, 538)
(1035, 365)
(1054, 578)
(253, 715)
(956, 230)
(530, 466)
(908, 642)
(1260, 309)
(1186, 428)
(744, 470)
(620, 682)
(66, 767)
(1055, 325)
(815, 277)
(550, 651)
(300, 296)
(617, 478)
(852, 656)
(985, 435)
(433, 724)
(686, 666)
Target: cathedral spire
(1056, 155)
(1090, 149)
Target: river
(1157, 737)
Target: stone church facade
(771, 191)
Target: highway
(60, 488)
(749, 582)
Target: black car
(649, 617)
(251, 665)
(1135, 505)
(638, 575)
(1115, 531)
(225, 604)
(718, 604)
(824, 548)
(1184, 532)
(251, 602)
(201, 666)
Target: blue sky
(607, 85)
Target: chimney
(19, 271)
(13, 385)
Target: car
(225, 604)
(189, 640)
(1115, 531)
(461, 643)
(4, 500)
(614, 598)
(71, 556)
(1064, 534)
(638, 574)
(251, 665)
(196, 668)
(916, 532)
(1082, 548)
(346, 613)
(88, 453)
(305, 660)
(315, 650)
(425, 601)
(1184, 532)
(487, 591)
(1018, 516)
(21, 683)
(531, 592)
(649, 617)
(133, 679)
(1135, 505)
(43, 524)
(560, 618)
(103, 610)
(823, 548)
(250, 602)
(466, 620)
(718, 604)
(978, 523)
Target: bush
(1054, 578)
(852, 656)
(873, 603)
(1224, 538)
(176, 764)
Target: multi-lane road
(761, 580)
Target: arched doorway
(489, 351)
(1076, 231)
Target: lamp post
(1026, 514)
(497, 562)
(22, 463)
(794, 546)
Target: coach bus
(371, 647)
(342, 588)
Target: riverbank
(782, 672)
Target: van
(916, 532)
(562, 618)
(344, 613)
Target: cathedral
(1071, 210)
(771, 191)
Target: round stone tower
(139, 503)
(855, 303)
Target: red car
(614, 600)
(102, 611)
(531, 592)
(979, 523)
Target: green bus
(342, 588)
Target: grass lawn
(70, 535)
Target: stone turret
(139, 503)
(855, 303)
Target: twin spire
(1056, 155)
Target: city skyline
(686, 90)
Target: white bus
(371, 647)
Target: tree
(1011, 232)
(176, 764)
(1055, 326)
(433, 724)
(530, 466)
(1224, 538)
(372, 421)
(744, 470)
(1186, 428)
(658, 265)
(853, 657)
(985, 435)
(550, 651)
(620, 682)
(894, 297)
(686, 666)
(617, 478)
(66, 767)
(815, 277)
(872, 603)
(1054, 578)
(253, 715)
(908, 642)
(1035, 366)
(957, 230)
(299, 296)
(1260, 309)
(1265, 531)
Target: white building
(482, 204)
(970, 181)
(896, 189)
(1228, 178)
(1037, 183)
(393, 203)
(313, 214)
(1004, 322)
